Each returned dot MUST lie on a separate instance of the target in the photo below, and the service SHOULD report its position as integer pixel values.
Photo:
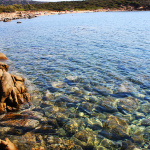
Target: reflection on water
(89, 77)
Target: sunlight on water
(89, 75)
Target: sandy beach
(28, 14)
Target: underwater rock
(115, 128)
(110, 144)
(34, 115)
(106, 104)
(86, 139)
(44, 129)
(19, 121)
(86, 107)
(72, 78)
(71, 126)
(93, 123)
(127, 105)
(145, 122)
(104, 91)
(124, 90)
(58, 84)
(145, 108)
(29, 141)
(49, 95)
(61, 132)
(64, 101)
(55, 142)
(4, 130)
(49, 111)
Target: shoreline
(31, 14)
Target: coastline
(31, 14)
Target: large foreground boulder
(13, 92)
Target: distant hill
(23, 2)
(74, 5)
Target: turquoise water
(91, 66)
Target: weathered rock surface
(13, 92)
(19, 121)
(115, 128)
(3, 57)
(3, 67)
(129, 105)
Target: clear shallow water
(106, 54)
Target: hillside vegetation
(80, 5)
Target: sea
(89, 79)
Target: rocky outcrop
(3, 57)
(13, 92)
(7, 19)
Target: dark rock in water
(147, 98)
(71, 80)
(127, 105)
(19, 121)
(145, 122)
(45, 129)
(7, 20)
(115, 128)
(31, 16)
(102, 90)
(122, 94)
(18, 21)
(29, 141)
(145, 108)
(106, 104)
(86, 108)
(57, 143)
(110, 144)
(72, 126)
(87, 139)
(124, 90)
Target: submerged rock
(72, 78)
(71, 126)
(127, 105)
(106, 104)
(145, 108)
(58, 84)
(104, 91)
(86, 139)
(19, 121)
(115, 128)
(55, 142)
(145, 122)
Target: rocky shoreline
(6, 17)
(13, 92)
